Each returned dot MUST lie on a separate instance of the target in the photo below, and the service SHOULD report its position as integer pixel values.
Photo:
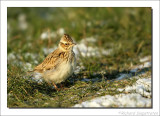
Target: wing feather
(51, 61)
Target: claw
(55, 86)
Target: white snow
(30, 55)
(144, 59)
(50, 33)
(107, 52)
(77, 70)
(147, 64)
(86, 50)
(134, 70)
(23, 25)
(89, 39)
(142, 86)
(120, 100)
(61, 31)
(28, 66)
(144, 65)
(47, 34)
(137, 95)
(44, 35)
(123, 76)
(47, 51)
(37, 77)
(11, 56)
(53, 34)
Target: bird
(60, 64)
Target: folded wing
(50, 62)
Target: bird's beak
(73, 44)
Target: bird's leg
(55, 86)
(62, 86)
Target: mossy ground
(127, 31)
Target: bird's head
(66, 43)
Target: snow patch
(11, 56)
(47, 51)
(23, 25)
(121, 100)
(89, 39)
(134, 70)
(144, 65)
(146, 58)
(124, 76)
(87, 51)
(27, 66)
(44, 35)
(142, 86)
(137, 95)
(61, 31)
(47, 34)
(30, 55)
(37, 77)
(139, 67)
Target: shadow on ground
(114, 75)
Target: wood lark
(59, 64)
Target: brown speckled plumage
(59, 64)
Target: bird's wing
(51, 61)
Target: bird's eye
(66, 43)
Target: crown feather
(66, 38)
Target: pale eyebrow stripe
(65, 43)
